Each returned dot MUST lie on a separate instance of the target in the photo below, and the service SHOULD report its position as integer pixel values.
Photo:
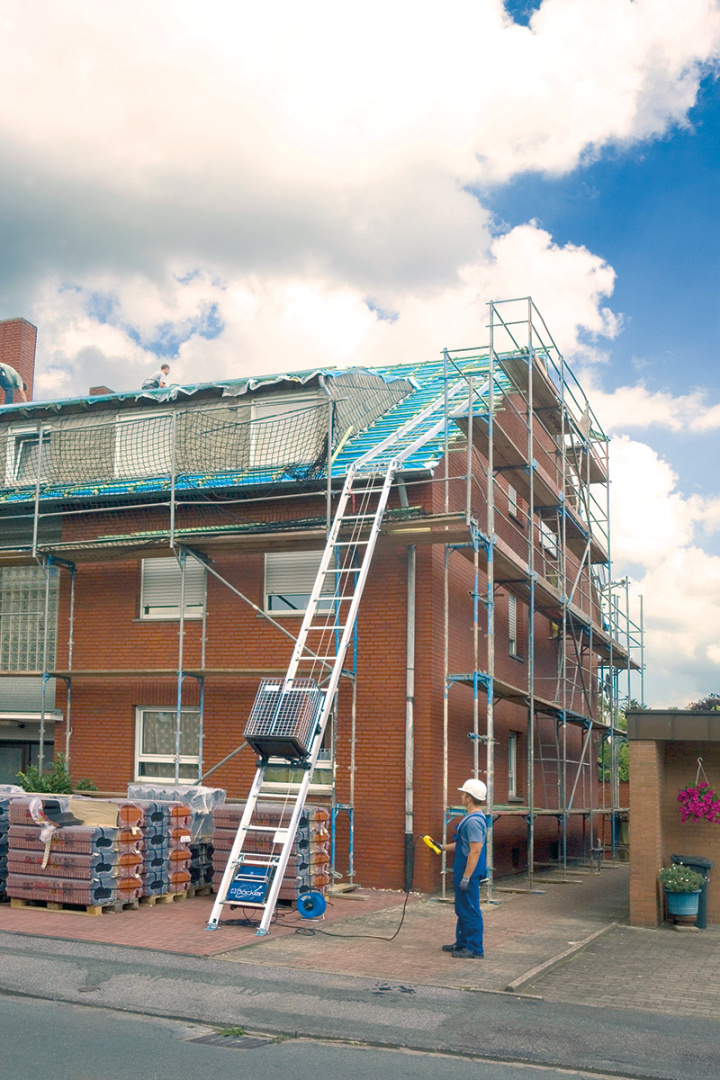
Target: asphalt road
(43, 1039)
(627, 1043)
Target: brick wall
(18, 338)
(658, 770)
(110, 635)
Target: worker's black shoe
(465, 954)
(449, 948)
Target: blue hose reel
(311, 905)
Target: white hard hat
(476, 789)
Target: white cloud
(638, 407)
(250, 187)
(109, 328)
(315, 139)
(654, 530)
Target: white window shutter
(161, 587)
(292, 572)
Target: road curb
(554, 961)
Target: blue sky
(653, 212)
(249, 189)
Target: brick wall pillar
(18, 338)
(647, 772)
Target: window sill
(166, 618)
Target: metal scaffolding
(513, 409)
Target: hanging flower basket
(699, 803)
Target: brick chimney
(17, 348)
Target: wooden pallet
(163, 898)
(76, 909)
(199, 890)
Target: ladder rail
(328, 704)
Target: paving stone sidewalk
(577, 922)
(630, 967)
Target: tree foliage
(711, 703)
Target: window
(277, 431)
(22, 617)
(161, 584)
(143, 446)
(22, 456)
(279, 776)
(513, 625)
(512, 502)
(156, 741)
(512, 765)
(548, 540)
(289, 580)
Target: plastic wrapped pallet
(96, 892)
(67, 864)
(7, 793)
(165, 829)
(202, 801)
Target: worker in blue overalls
(469, 868)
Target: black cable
(308, 931)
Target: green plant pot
(682, 903)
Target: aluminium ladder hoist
(289, 716)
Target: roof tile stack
(165, 829)
(200, 801)
(70, 864)
(309, 864)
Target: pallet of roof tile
(200, 890)
(164, 898)
(101, 892)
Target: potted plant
(682, 888)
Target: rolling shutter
(161, 585)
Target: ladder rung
(257, 859)
(274, 796)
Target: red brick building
(180, 532)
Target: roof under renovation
(260, 431)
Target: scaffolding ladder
(290, 715)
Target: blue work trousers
(469, 930)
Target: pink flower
(699, 803)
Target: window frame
(140, 756)
(513, 644)
(548, 540)
(172, 612)
(512, 763)
(17, 437)
(513, 507)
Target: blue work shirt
(472, 829)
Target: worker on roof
(469, 867)
(11, 381)
(158, 378)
